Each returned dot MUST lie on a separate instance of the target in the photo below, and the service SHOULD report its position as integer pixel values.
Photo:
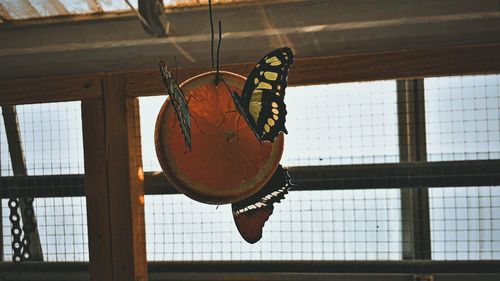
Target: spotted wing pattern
(262, 100)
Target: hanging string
(217, 75)
(211, 32)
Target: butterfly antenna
(223, 120)
(195, 98)
(197, 126)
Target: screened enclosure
(393, 114)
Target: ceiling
(12, 10)
(110, 41)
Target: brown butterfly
(251, 214)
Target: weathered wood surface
(350, 68)
(49, 89)
(318, 28)
(96, 189)
(114, 166)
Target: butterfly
(251, 214)
(178, 100)
(262, 99)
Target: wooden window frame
(112, 97)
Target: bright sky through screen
(351, 123)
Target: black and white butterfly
(261, 102)
(251, 214)
(179, 102)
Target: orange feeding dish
(227, 163)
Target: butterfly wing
(262, 98)
(179, 102)
(251, 214)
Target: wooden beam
(396, 175)
(391, 175)
(351, 68)
(118, 226)
(321, 28)
(1, 216)
(96, 189)
(346, 267)
(385, 267)
(415, 217)
(1, 227)
(364, 67)
(52, 89)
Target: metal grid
(354, 123)
(463, 117)
(465, 223)
(51, 138)
(308, 225)
(350, 123)
(344, 124)
(463, 123)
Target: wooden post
(1, 217)
(114, 184)
(96, 189)
(416, 237)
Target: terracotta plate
(227, 162)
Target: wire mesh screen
(350, 123)
(465, 223)
(462, 117)
(463, 123)
(38, 152)
(307, 225)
